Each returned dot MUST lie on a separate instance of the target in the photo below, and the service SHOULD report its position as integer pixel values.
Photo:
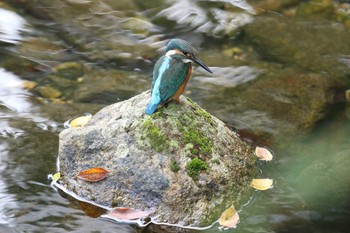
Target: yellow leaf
(262, 184)
(229, 218)
(56, 177)
(263, 153)
(79, 121)
(347, 94)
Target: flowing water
(281, 71)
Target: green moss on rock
(206, 115)
(193, 104)
(173, 144)
(167, 130)
(156, 138)
(174, 166)
(195, 166)
(194, 135)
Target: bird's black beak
(199, 62)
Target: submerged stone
(48, 92)
(181, 163)
(69, 70)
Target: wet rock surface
(181, 163)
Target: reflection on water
(12, 94)
(11, 26)
(15, 105)
(212, 20)
(230, 76)
(8, 201)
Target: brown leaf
(124, 213)
(263, 153)
(91, 210)
(262, 184)
(229, 218)
(93, 174)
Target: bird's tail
(151, 108)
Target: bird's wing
(172, 78)
(156, 71)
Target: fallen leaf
(79, 121)
(347, 94)
(263, 153)
(262, 184)
(93, 174)
(56, 177)
(92, 210)
(229, 218)
(124, 213)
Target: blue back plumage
(160, 68)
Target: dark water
(281, 68)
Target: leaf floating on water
(124, 213)
(262, 184)
(78, 122)
(92, 210)
(56, 177)
(229, 218)
(347, 94)
(263, 153)
(93, 174)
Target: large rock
(181, 163)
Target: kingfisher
(172, 72)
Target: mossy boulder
(180, 163)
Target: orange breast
(177, 94)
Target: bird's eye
(187, 54)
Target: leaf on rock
(229, 218)
(263, 153)
(93, 174)
(56, 177)
(124, 213)
(262, 184)
(79, 121)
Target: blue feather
(151, 108)
(156, 85)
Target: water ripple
(230, 76)
(11, 26)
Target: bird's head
(179, 46)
